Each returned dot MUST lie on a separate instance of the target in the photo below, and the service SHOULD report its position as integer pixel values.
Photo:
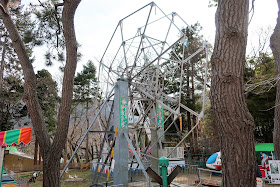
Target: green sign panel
(123, 113)
(160, 120)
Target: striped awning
(15, 137)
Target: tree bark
(51, 151)
(65, 158)
(40, 156)
(234, 122)
(51, 171)
(195, 132)
(2, 65)
(30, 95)
(275, 47)
(59, 141)
(36, 152)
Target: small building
(18, 161)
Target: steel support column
(121, 121)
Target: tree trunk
(189, 123)
(65, 158)
(234, 122)
(192, 81)
(36, 152)
(51, 151)
(275, 47)
(30, 95)
(2, 65)
(189, 120)
(40, 156)
(195, 132)
(51, 171)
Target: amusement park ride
(264, 153)
(138, 64)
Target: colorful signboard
(15, 137)
(160, 121)
(123, 113)
(274, 166)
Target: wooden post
(2, 151)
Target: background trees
(48, 97)
(85, 92)
(192, 79)
(55, 18)
(51, 150)
(12, 109)
(192, 82)
(260, 94)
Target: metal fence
(210, 177)
(188, 176)
(136, 177)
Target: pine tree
(191, 80)
(85, 90)
(51, 150)
(260, 98)
(12, 109)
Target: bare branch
(252, 10)
(4, 6)
(58, 4)
(263, 86)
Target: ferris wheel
(143, 51)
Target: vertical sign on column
(123, 113)
(160, 116)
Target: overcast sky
(95, 21)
